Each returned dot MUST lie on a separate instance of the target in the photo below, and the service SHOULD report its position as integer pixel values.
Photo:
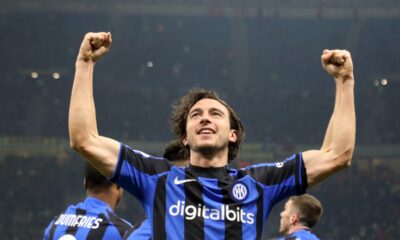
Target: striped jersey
(207, 203)
(90, 219)
(143, 232)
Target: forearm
(82, 115)
(344, 126)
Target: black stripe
(290, 238)
(300, 189)
(120, 224)
(297, 177)
(128, 233)
(146, 164)
(159, 209)
(194, 229)
(98, 233)
(73, 229)
(270, 174)
(53, 228)
(260, 211)
(119, 164)
(233, 229)
(303, 175)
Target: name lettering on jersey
(239, 191)
(177, 181)
(72, 220)
(190, 212)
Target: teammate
(208, 200)
(299, 216)
(94, 218)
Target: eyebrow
(217, 110)
(210, 110)
(194, 110)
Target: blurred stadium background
(262, 56)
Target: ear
(294, 218)
(184, 141)
(233, 135)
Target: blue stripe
(175, 197)
(213, 200)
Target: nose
(205, 118)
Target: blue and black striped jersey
(143, 232)
(214, 203)
(90, 219)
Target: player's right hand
(337, 63)
(94, 46)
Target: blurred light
(56, 75)
(149, 64)
(34, 75)
(384, 82)
(376, 83)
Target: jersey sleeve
(281, 179)
(142, 232)
(47, 230)
(137, 171)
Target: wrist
(344, 78)
(83, 62)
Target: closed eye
(194, 114)
(217, 113)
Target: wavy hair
(181, 110)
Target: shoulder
(304, 235)
(142, 161)
(274, 172)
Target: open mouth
(205, 131)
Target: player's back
(90, 219)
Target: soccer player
(208, 200)
(94, 218)
(300, 214)
(176, 153)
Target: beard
(208, 151)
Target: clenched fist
(94, 46)
(337, 63)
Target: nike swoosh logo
(177, 181)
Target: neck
(217, 159)
(211, 172)
(298, 228)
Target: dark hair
(176, 151)
(181, 110)
(309, 209)
(94, 180)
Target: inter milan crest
(239, 191)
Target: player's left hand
(337, 63)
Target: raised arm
(337, 149)
(100, 151)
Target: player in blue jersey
(94, 218)
(176, 153)
(209, 200)
(299, 216)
